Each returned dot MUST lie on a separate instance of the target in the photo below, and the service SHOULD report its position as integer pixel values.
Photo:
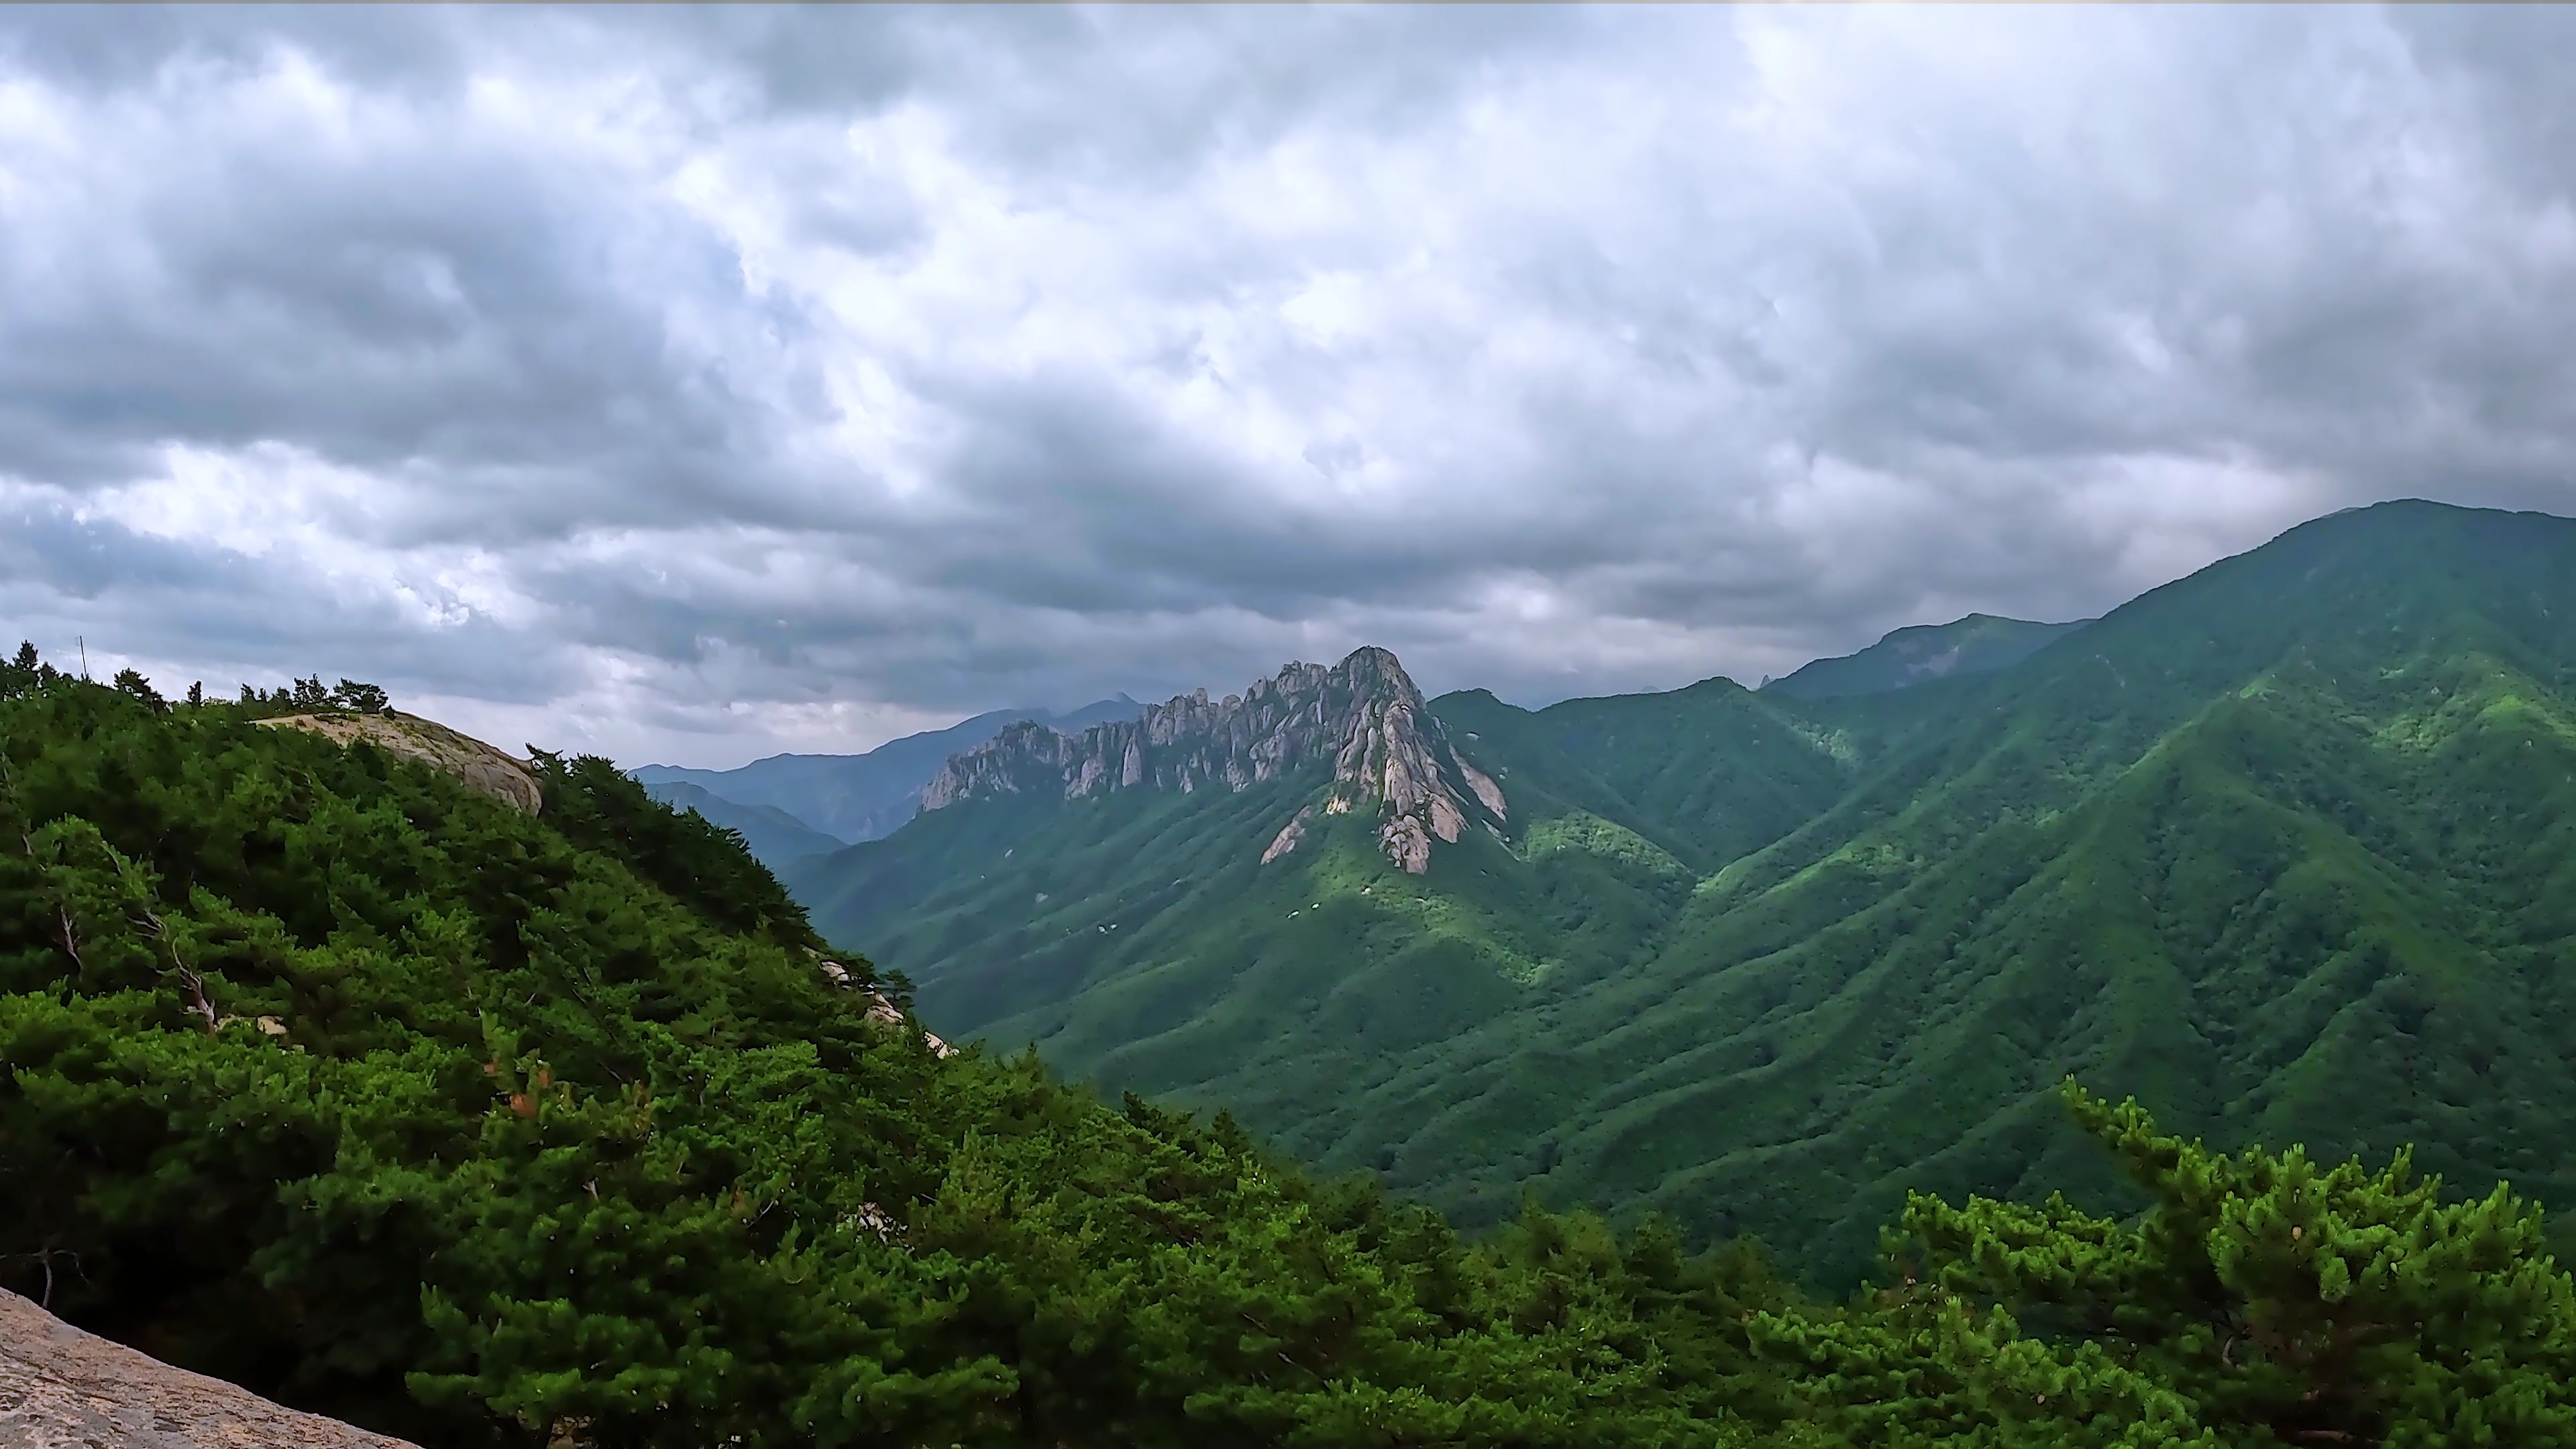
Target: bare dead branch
(151, 925)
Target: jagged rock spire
(1363, 716)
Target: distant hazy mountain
(771, 834)
(863, 797)
(1976, 644)
(2286, 848)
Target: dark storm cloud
(137, 595)
(135, 47)
(1115, 94)
(698, 382)
(405, 292)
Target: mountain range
(488, 1102)
(787, 806)
(2286, 848)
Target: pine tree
(132, 682)
(362, 698)
(2262, 1298)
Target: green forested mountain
(331, 1075)
(2285, 848)
(380, 1092)
(1920, 652)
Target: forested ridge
(2286, 849)
(376, 1095)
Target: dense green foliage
(2260, 1299)
(2287, 849)
(331, 1076)
(327, 1075)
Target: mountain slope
(326, 1069)
(1977, 644)
(478, 765)
(1177, 905)
(867, 796)
(324, 1072)
(1055, 878)
(1708, 772)
(2284, 847)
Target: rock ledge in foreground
(61, 1388)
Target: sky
(689, 386)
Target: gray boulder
(61, 1388)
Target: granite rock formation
(480, 766)
(1362, 719)
(61, 1388)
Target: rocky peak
(1362, 718)
(480, 766)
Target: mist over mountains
(840, 800)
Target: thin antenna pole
(84, 649)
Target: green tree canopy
(2262, 1298)
(328, 1075)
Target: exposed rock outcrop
(61, 1388)
(881, 1008)
(480, 766)
(1363, 718)
(1288, 836)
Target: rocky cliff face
(1362, 719)
(61, 1388)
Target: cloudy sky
(691, 386)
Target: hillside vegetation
(329, 1075)
(383, 1097)
(2287, 849)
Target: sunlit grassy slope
(2287, 848)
